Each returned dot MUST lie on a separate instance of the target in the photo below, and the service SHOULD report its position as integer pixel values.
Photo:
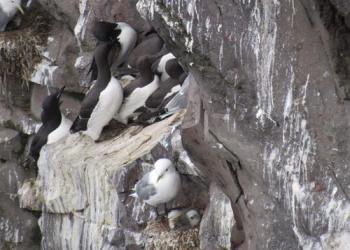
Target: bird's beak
(19, 7)
(159, 177)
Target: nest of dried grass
(20, 49)
(159, 236)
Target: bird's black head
(105, 31)
(51, 106)
(173, 68)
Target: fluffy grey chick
(183, 219)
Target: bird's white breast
(108, 104)
(161, 65)
(137, 99)
(9, 6)
(127, 39)
(166, 189)
(61, 131)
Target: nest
(159, 236)
(20, 50)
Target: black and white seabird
(8, 9)
(121, 31)
(138, 91)
(160, 185)
(173, 76)
(54, 124)
(159, 66)
(149, 46)
(103, 99)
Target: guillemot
(149, 46)
(138, 91)
(8, 9)
(120, 31)
(104, 98)
(54, 124)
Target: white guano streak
(263, 34)
(80, 27)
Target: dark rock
(10, 144)
(18, 228)
(217, 224)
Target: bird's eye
(166, 169)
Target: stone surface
(15, 118)
(10, 144)
(217, 222)
(18, 228)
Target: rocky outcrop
(85, 197)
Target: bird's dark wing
(156, 99)
(173, 68)
(87, 106)
(148, 47)
(38, 142)
(128, 89)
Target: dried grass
(20, 49)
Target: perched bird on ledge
(55, 125)
(160, 185)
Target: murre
(54, 124)
(138, 91)
(104, 98)
(121, 31)
(150, 46)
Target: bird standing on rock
(149, 46)
(55, 125)
(160, 185)
(8, 9)
(103, 99)
(138, 91)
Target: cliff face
(262, 148)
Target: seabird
(54, 124)
(150, 46)
(160, 185)
(103, 100)
(121, 31)
(182, 219)
(159, 66)
(156, 103)
(173, 77)
(8, 9)
(138, 91)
